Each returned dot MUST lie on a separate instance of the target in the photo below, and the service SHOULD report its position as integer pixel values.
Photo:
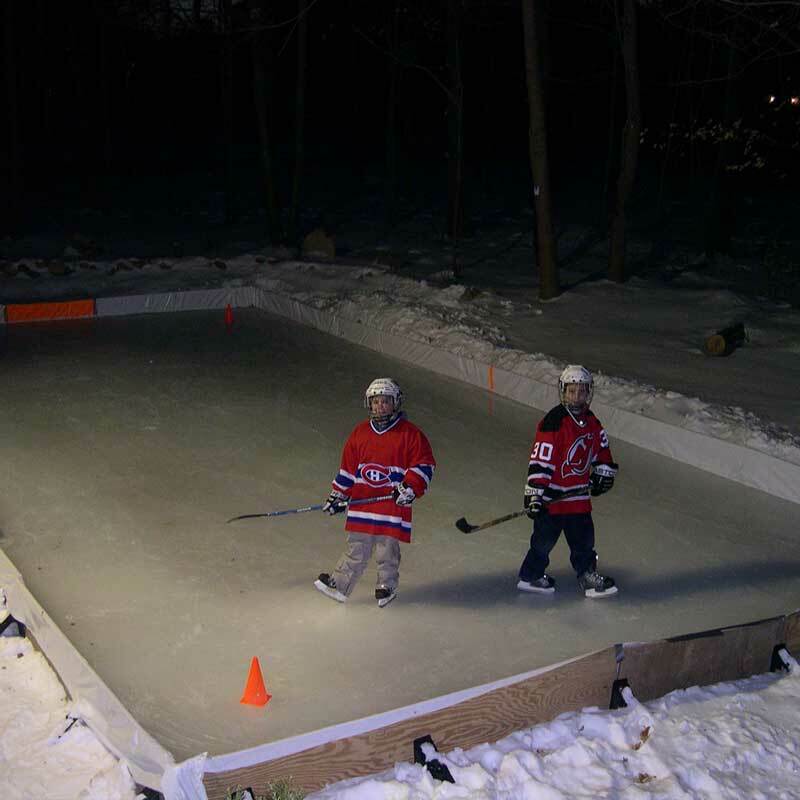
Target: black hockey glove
(602, 479)
(533, 501)
(336, 503)
(403, 495)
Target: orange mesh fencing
(41, 312)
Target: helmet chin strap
(579, 422)
(383, 422)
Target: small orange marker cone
(228, 317)
(255, 694)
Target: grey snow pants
(356, 556)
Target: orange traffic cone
(254, 692)
(228, 317)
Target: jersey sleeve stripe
(342, 482)
(425, 471)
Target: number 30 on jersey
(542, 451)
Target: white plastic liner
(195, 300)
(93, 701)
(726, 459)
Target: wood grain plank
(791, 633)
(727, 654)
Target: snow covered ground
(727, 742)
(643, 341)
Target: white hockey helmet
(386, 387)
(575, 373)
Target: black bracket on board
(12, 627)
(617, 700)
(778, 663)
(437, 770)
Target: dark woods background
(275, 114)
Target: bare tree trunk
(299, 114)
(720, 208)
(11, 191)
(537, 145)
(106, 96)
(455, 126)
(390, 184)
(227, 106)
(260, 98)
(612, 120)
(630, 143)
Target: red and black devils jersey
(373, 463)
(562, 456)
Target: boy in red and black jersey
(570, 463)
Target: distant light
(795, 101)
(771, 98)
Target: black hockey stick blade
(465, 527)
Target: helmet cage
(383, 387)
(576, 374)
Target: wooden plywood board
(581, 683)
(725, 654)
(791, 633)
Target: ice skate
(327, 585)
(384, 595)
(595, 585)
(543, 585)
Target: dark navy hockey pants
(579, 532)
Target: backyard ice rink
(129, 442)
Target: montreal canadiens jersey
(373, 462)
(562, 456)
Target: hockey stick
(465, 527)
(319, 507)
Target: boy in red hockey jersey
(570, 460)
(385, 454)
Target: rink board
(651, 670)
(487, 715)
(792, 633)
